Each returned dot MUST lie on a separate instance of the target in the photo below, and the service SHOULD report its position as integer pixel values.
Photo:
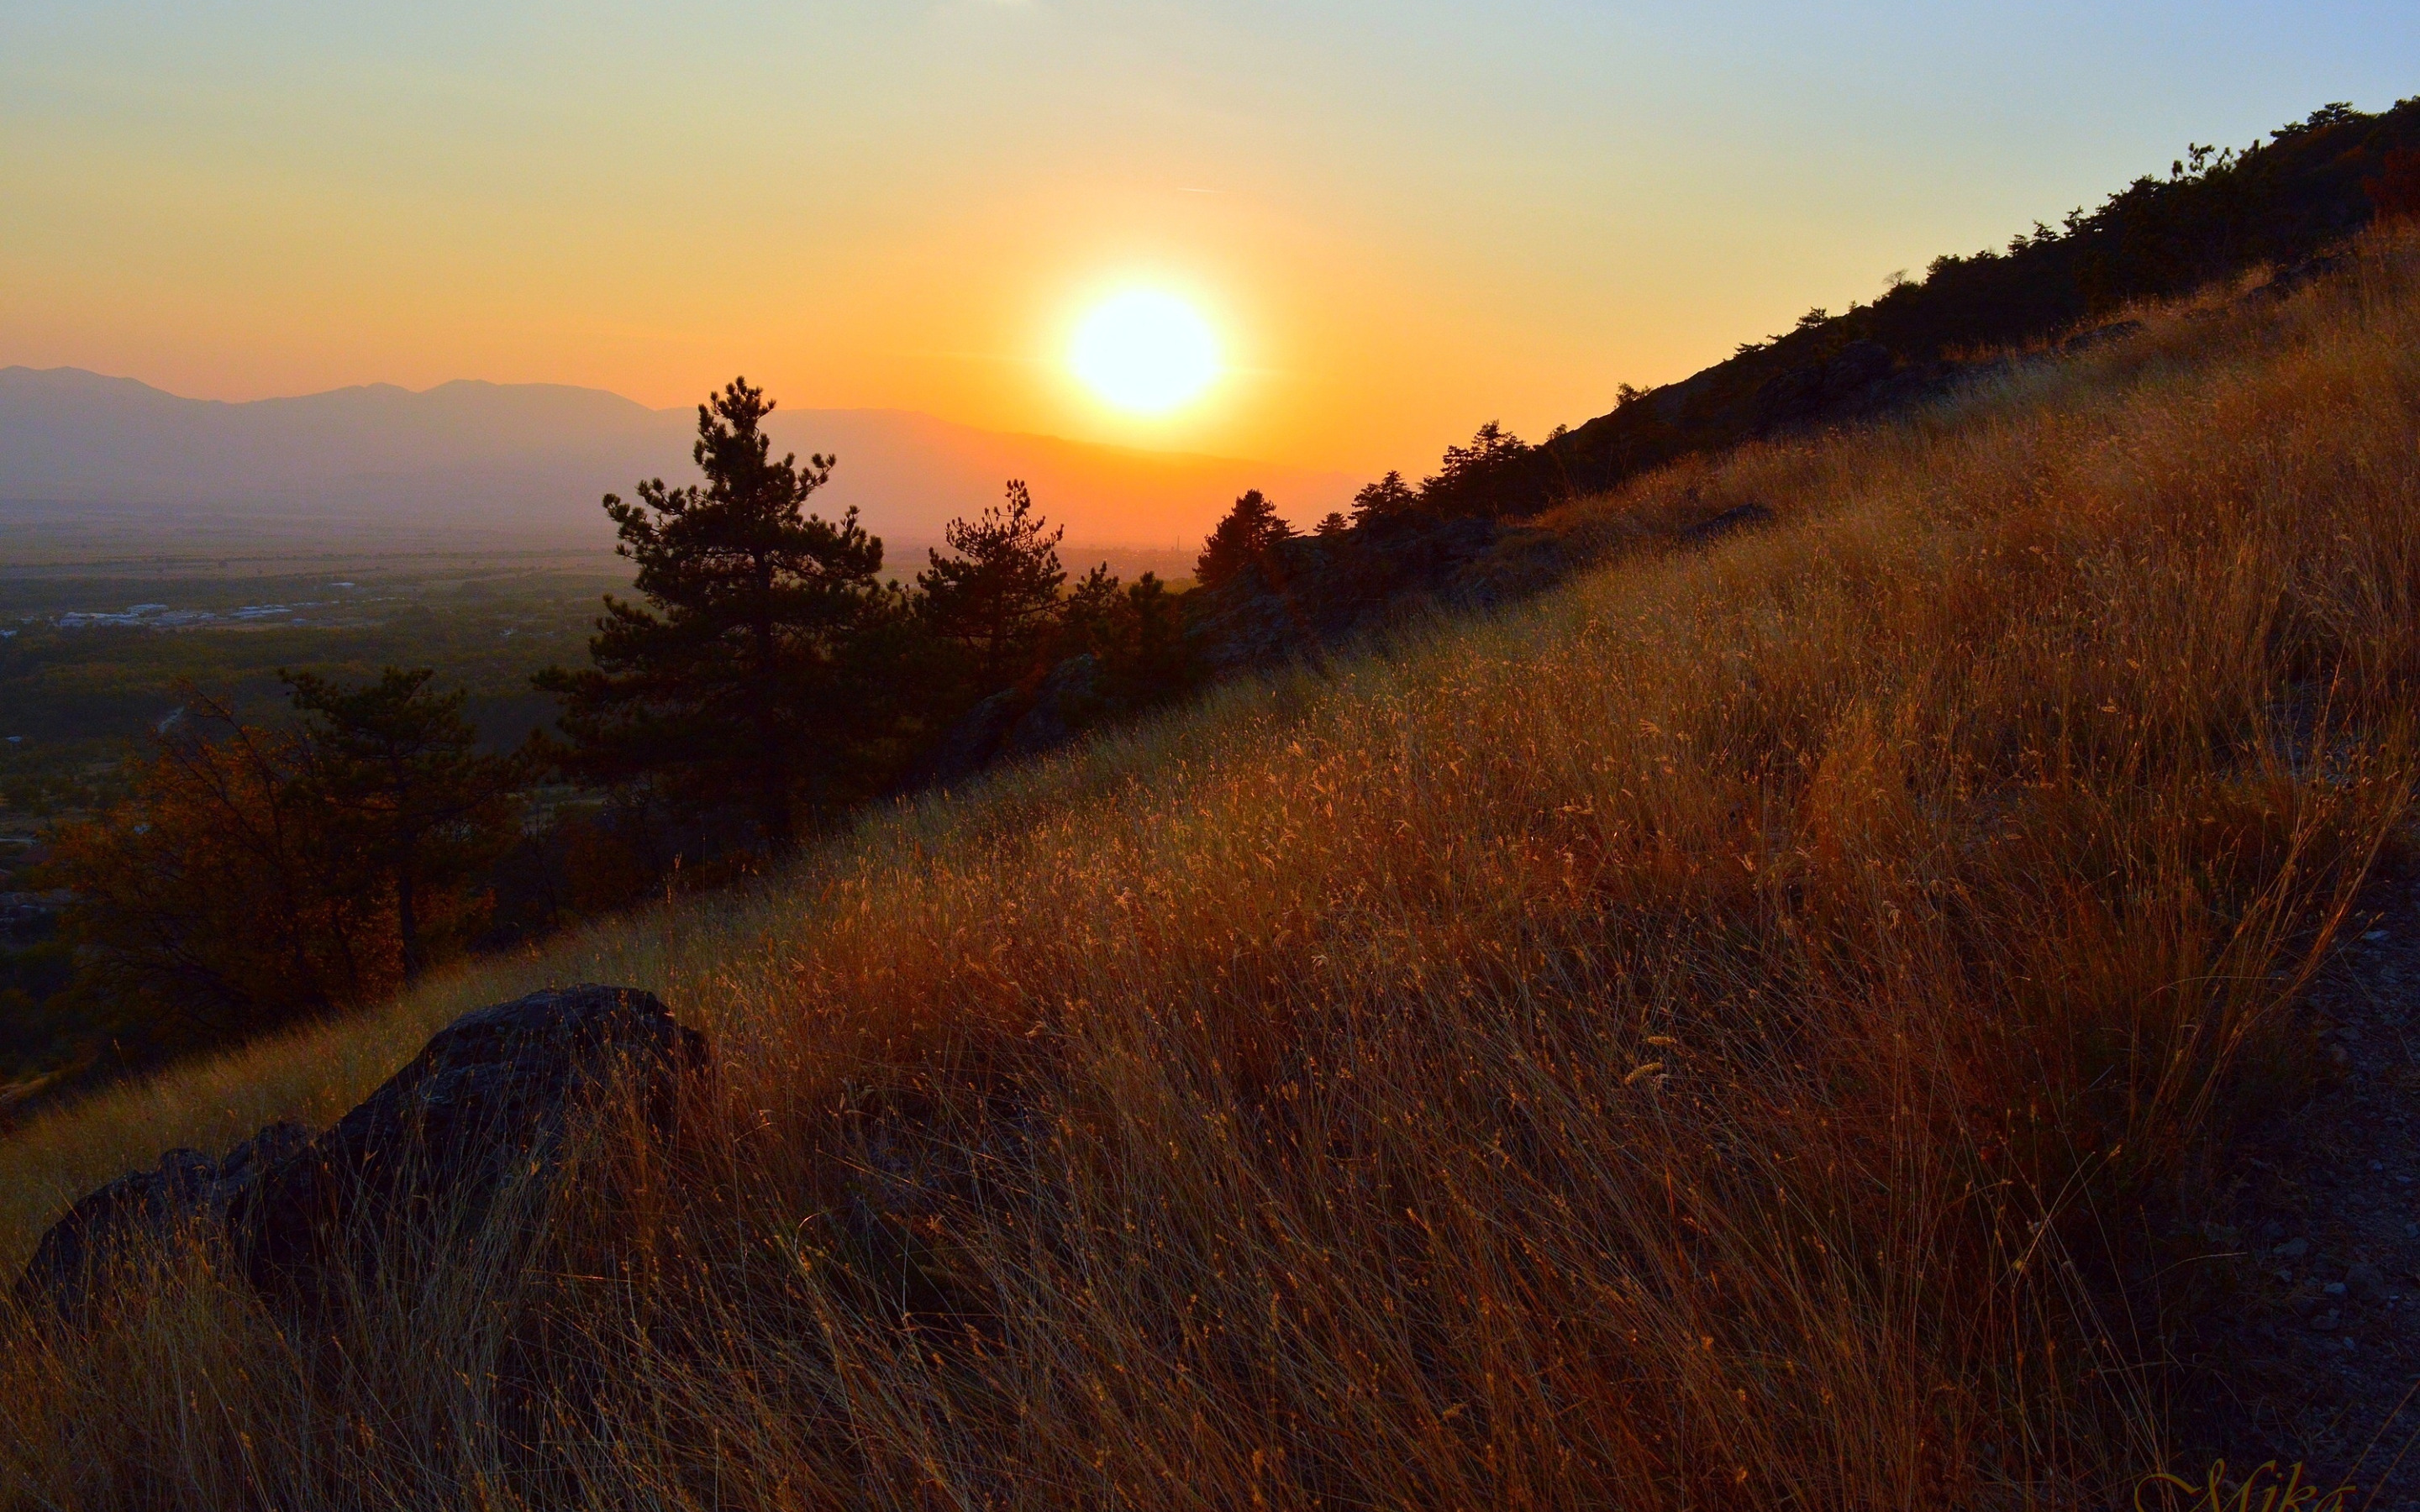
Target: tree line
(763, 677)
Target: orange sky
(1403, 220)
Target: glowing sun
(1144, 351)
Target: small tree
(744, 674)
(1333, 524)
(2395, 192)
(1492, 475)
(221, 898)
(1243, 539)
(1151, 660)
(1089, 618)
(997, 599)
(1389, 496)
(398, 766)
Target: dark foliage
(2216, 213)
(395, 762)
(1497, 474)
(2394, 194)
(1243, 539)
(993, 602)
(754, 668)
(1389, 496)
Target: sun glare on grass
(1144, 351)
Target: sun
(1144, 351)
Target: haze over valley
(93, 467)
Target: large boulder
(186, 1194)
(486, 1101)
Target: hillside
(1749, 1027)
(526, 462)
(2220, 213)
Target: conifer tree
(1241, 540)
(1389, 496)
(995, 598)
(1089, 617)
(396, 767)
(743, 677)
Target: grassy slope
(1708, 1038)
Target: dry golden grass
(1734, 1032)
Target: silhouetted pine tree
(744, 678)
(1390, 495)
(996, 600)
(1242, 539)
(398, 769)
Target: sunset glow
(1145, 352)
(1394, 223)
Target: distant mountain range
(529, 462)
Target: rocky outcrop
(487, 1101)
(1017, 722)
(186, 1194)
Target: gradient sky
(1402, 219)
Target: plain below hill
(101, 460)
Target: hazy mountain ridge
(533, 459)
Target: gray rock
(489, 1097)
(1730, 521)
(108, 1229)
(2367, 1281)
(187, 1195)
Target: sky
(1399, 219)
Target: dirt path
(2314, 1348)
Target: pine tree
(397, 765)
(1242, 539)
(997, 599)
(743, 677)
(1389, 496)
(1090, 616)
(1494, 474)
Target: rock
(967, 746)
(1730, 521)
(490, 1096)
(2099, 336)
(1068, 700)
(2293, 1249)
(108, 1229)
(187, 1194)
(2367, 1281)
(1016, 722)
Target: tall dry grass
(1740, 1031)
